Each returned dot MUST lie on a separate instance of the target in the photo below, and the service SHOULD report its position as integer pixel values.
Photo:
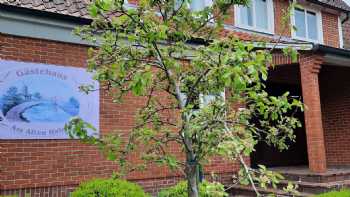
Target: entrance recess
(297, 151)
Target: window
(195, 5)
(257, 16)
(307, 25)
(203, 100)
(198, 5)
(207, 99)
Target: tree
(161, 47)
(37, 96)
(74, 102)
(11, 99)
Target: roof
(340, 4)
(78, 8)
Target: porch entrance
(297, 153)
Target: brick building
(40, 31)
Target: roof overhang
(333, 56)
(39, 25)
(52, 15)
(327, 5)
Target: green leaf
(93, 10)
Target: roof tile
(78, 8)
(336, 3)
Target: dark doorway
(297, 152)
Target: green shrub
(341, 193)
(108, 188)
(206, 189)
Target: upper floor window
(257, 16)
(308, 25)
(198, 5)
(201, 100)
(194, 5)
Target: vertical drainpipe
(341, 33)
(346, 18)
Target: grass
(341, 193)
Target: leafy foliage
(265, 178)
(174, 58)
(341, 193)
(108, 188)
(206, 189)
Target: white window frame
(341, 36)
(319, 25)
(270, 18)
(205, 100)
(205, 3)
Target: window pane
(312, 25)
(207, 99)
(177, 4)
(197, 5)
(208, 3)
(299, 16)
(246, 16)
(261, 14)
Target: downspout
(315, 47)
(346, 18)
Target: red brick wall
(335, 98)
(346, 34)
(52, 163)
(330, 29)
(280, 10)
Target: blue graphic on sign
(39, 99)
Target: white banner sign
(37, 100)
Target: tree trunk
(192, 179)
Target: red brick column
(310, 66)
